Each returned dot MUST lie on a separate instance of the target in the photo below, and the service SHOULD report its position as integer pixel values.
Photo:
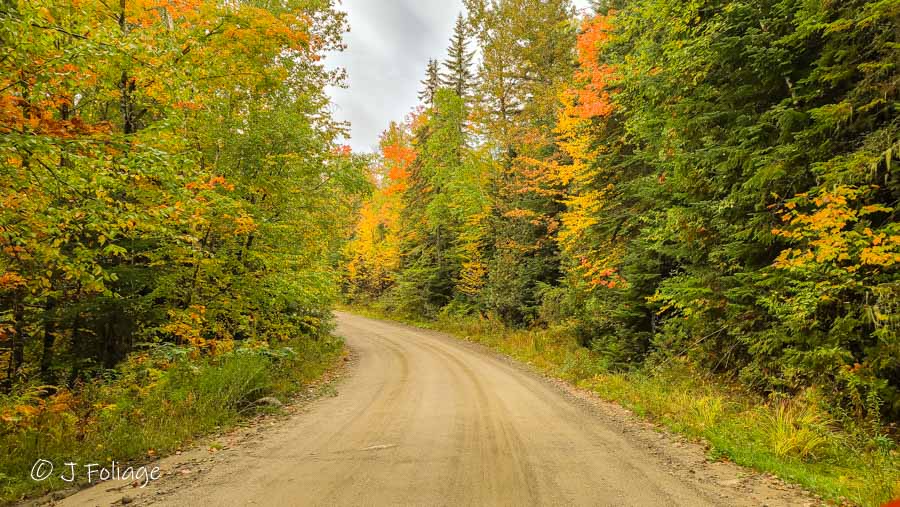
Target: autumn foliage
(669, 179)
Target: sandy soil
(421, 418)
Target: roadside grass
(795, 439)
(151, 405)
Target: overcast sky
(389, 44)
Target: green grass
(795, 439)
(153, 404)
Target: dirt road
(424, 419)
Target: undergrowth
(152, 404)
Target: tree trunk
(49, 339)
(126, 84)
(17, 361)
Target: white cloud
(389, 44)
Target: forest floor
(422, 418)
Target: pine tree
(432, 82)
(457, 74)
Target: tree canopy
(171, 175)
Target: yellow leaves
(374, 252)
(245, 225)
(27, 410)
(884, 250)
(580, 122)
(829, 234)
(472, 277)
(44, 13)
(879, 257)
(874, 208)
(189, 327)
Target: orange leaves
(35, 405)
(520, 213)
(398, 159)
(594, 33)
(597, 272)
(40, 118)
(11, 281)
(61, 402)
(26, 411)
(147, 13)
(211, 184)
(374, 253)
(187, 105)
(401, 155)
(261, 31)
(591, 96)
(587, 186)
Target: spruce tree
(457, 74)
(431, 83)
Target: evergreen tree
(527, 48)
(440, 195)
(457, 73)
(431, 83)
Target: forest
(714, 181)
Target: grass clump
(797, 429)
